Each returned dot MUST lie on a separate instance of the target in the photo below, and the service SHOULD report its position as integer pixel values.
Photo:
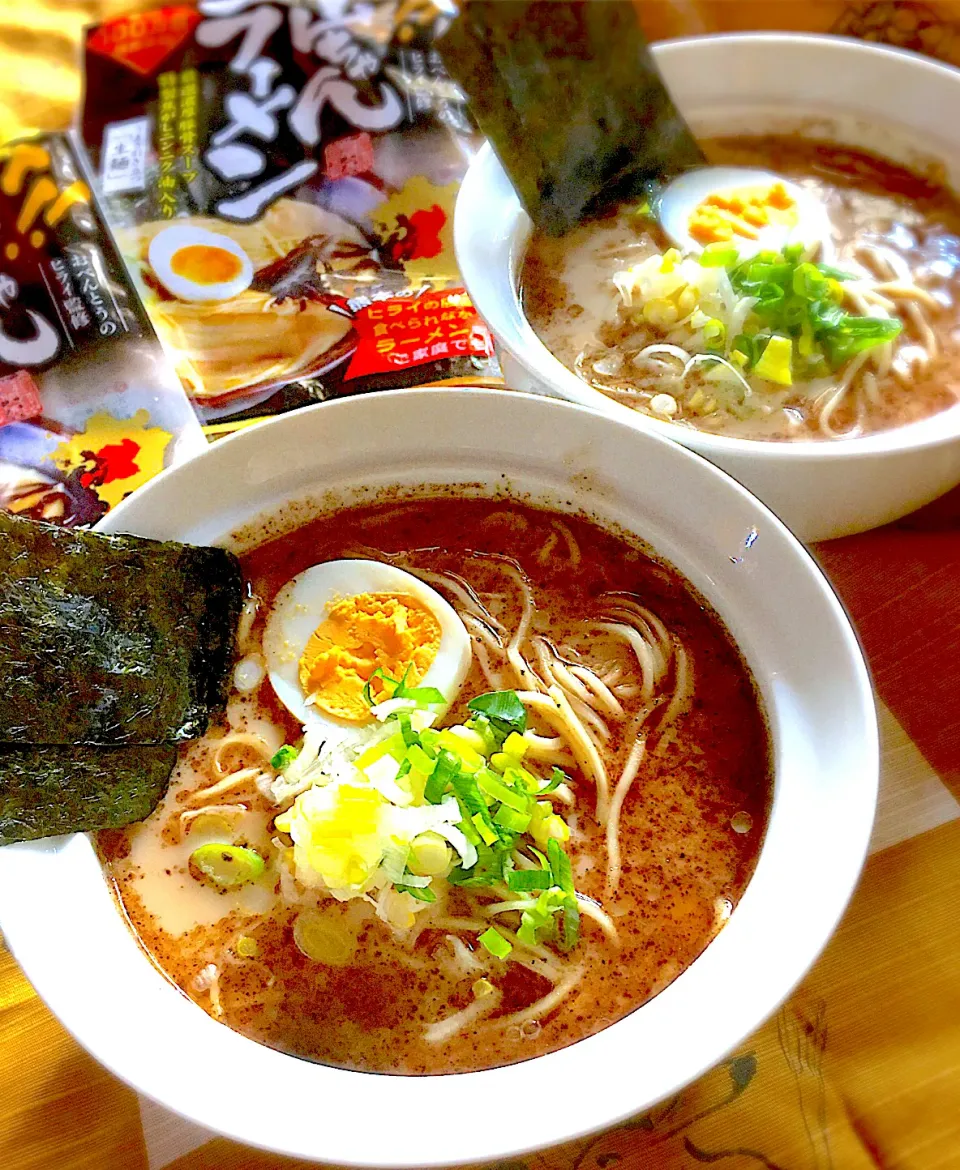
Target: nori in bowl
(111, 639)
(48, 789)
(113, 650)
(571, 100)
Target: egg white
(167, 243)
(305, 601)
(681, 197)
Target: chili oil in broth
(691, 827)
(571, 303)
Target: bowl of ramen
(823, 373)
(536, 757)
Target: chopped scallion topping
(557, 777)
(504, 710)
(522, 880)
(493, 941)
(284, 758)
(398, 689)
(421, 893)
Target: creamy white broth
(571, 302)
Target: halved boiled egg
(749, 209)
(333, 627)
(199, 265)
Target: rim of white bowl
(529, 351)
(323, 1113)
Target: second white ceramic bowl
(896, 103)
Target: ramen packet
(280, 181)
(90, 408)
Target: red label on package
(143, 39)
(402, 332)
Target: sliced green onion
(719, 255)
(368, 695)
(745, 344)
(560, 866)
(515, 745)
(493, 941)
(324, 938)
(406, 728)
(491, 785)
(835, 273)
(423, 696)
(503, 707)
(854, 335)
(284, 758)
(468, 793)
(775, 362)
(418, 759)
(521, 880)
(557, 777)
(429, 854)
(394, 746)
(488, 834)
(247, 947)
(487, 732)
(430, 741)
(571, 923)
(511, 820)
(227, 865)
(421, 893)
(527, 934)
(445, 770)
(461, 746)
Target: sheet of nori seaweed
(571, 101)
(47, 790)
(111, 639)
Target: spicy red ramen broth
(690, 830)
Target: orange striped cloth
(861, 1068)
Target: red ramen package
(281, 181)
(89, 407)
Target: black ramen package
(89, 406)
(281, 181)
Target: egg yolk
(360, 634)
(742, 213)
(205, 264)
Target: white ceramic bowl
(896, 103)
(63, 926)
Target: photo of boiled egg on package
(241, 307)
(197, 265)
